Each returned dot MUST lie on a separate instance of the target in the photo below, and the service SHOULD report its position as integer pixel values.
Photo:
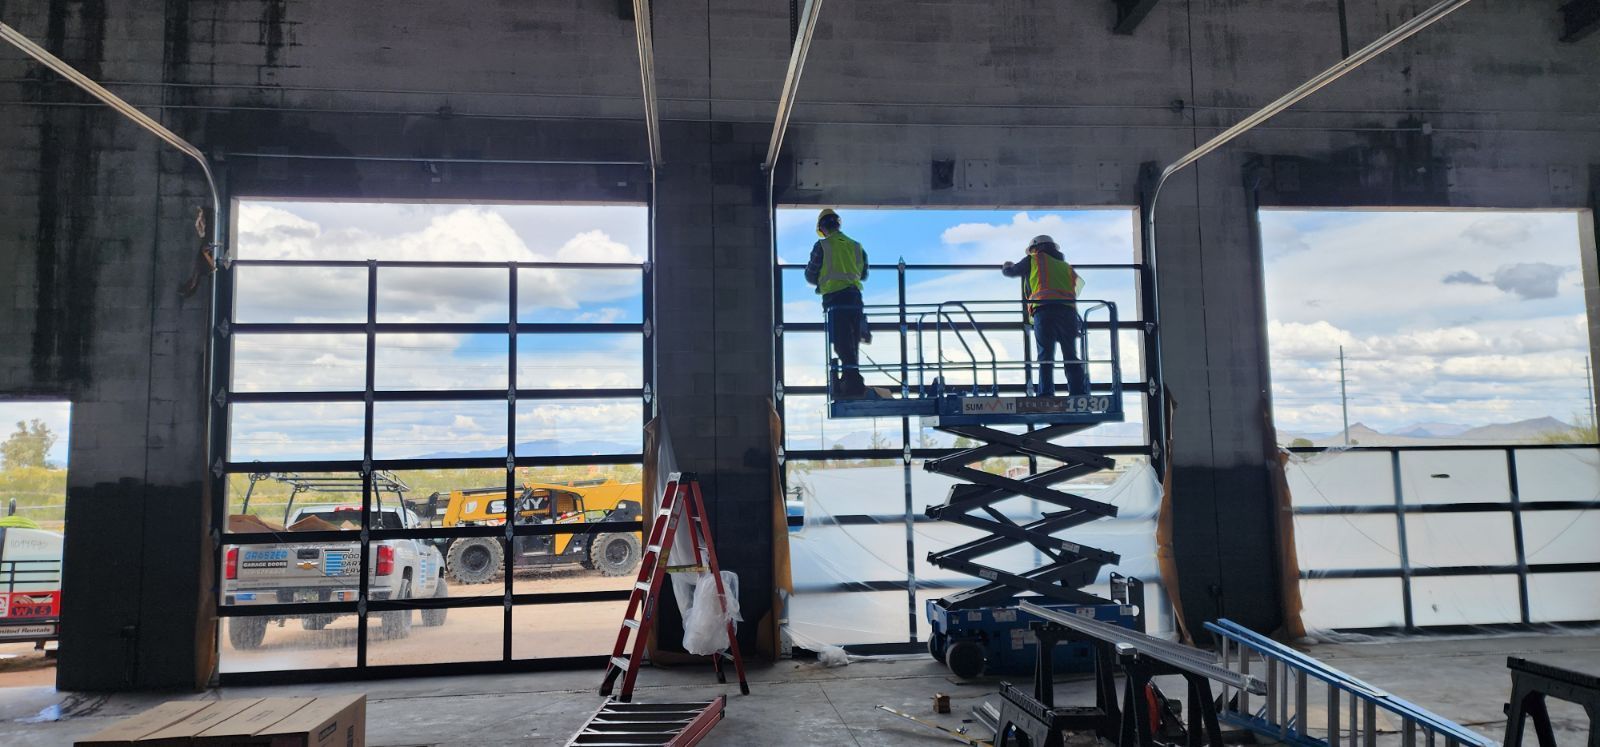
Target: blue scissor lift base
(1002, 635)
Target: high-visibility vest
(842, 261)
(1050, 279)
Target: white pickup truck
(290, 572)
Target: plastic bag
(704, 624)
(833, 656)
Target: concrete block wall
(94, 216)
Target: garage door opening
(33, 505)
(1457, 347)
(857, 489)
(433, 372)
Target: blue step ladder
(950, 376)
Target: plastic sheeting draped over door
(1396, 538)
(849, 560)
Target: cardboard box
(330, 721)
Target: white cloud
(1530, 280)
(1436, 324)
(447, 233)
(1087, 237)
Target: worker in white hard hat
(1052, 286)
(837, 268)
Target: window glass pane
(300, 294)
(1341, 479)
(1444, 540)
(1345, 603)
(442, 294)
(266, 432)
(1347, 541)
(273, 502)
(1454, 477)
(438, 430)
(299, 363)
(579, 427)
(260, 644)
(582, 296)
(1563, 597)
(440, 362)
(807, 426)
(1465, 600)
(609, 361)
(541, 631)
(1561, 536)
(800, 300)
(1558, 475)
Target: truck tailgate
(273, 566)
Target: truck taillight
(385, 560)
(230, 565)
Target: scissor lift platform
(978, 409)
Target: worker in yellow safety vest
(1055, 285)
(837, 267)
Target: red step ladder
(682, 499)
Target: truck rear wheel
(475, 560)
(435, 618)
(397, 624)
(247, 632)
(316, 622)
(614, 554)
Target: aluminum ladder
(1353, 706)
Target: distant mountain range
(1433, 434)
(542, 447)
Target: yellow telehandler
(477, 560)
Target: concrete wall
(1485, 109)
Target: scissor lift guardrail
(1352, 705)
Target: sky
(982, 237)
(1455, 317)
(491, 233)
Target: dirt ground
(21, 665)
(471, 634)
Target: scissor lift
(952, 379)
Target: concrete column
(715, 343)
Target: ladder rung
(620, 662)
(631, 624)
(653, 548)
(642, 585)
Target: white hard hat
(1042, 238)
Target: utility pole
(1344, 399)
(1588, 386)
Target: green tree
(28, 446)
(1301, 443)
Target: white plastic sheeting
(844, 574)
(1454, 511)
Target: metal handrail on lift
(961, 318)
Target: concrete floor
(799, 704)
